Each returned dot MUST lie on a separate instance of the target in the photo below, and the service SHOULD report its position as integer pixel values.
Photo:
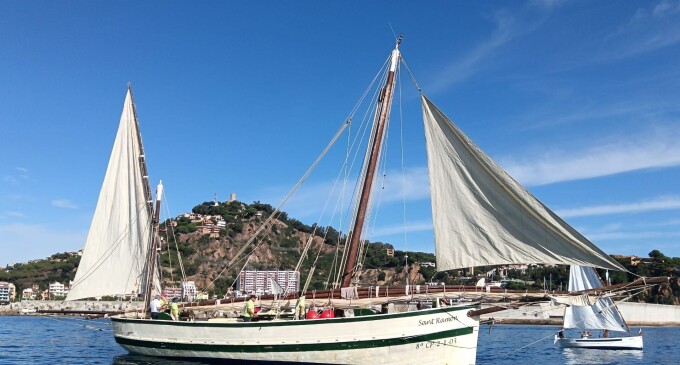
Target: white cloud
(506, 30)
(309, 201)
(665, 8)
(33, 241)
(548, 4)
(646, 31)
(15, 214)
(14, 180)
(412, 185)
(660, 203)
(401, 229)
(64, 203)
(651, 151)
(610, 236)
(10, 180)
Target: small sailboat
(481, 216)
(593, 314)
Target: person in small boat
(300, 307)
(174, 309)
(605, 334)
(249, 309)
(560, 334)
(585, 334)
(154, 307)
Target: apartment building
(57, 289)
(260, 282)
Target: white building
(7, 292)
(189, 290)
(260, 282)
(28, 294)
(57, 290)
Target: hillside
(212, 234)
(206, 247)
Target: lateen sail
(601, 315)
(120, 234)
(482, 216)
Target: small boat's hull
(613, 343)
(432, 336)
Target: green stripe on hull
(376, 317)
(350, 345)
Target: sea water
(61, 340)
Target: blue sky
(578, 100)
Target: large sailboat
(118, 257)
(596, 313)
(481, 216)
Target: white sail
(603, 314)
(482, 216)
(120, 234)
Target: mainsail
(482, 216)
(603, 314)
(118, 242)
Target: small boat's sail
(593, 313)
(602, 315)
(117, 246)
(482, 216)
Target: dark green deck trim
(349, 345)
(377, 317)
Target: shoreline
(543, 313)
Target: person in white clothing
(154, 306)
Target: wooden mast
(385, 102)
(154, 213)
(153, 247)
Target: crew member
(154, 306)
(174, 309)
(249, 310)
(300, 307)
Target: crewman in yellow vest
(249, 309)
(164, 303)
(300, 307)
(174, 309)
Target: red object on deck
(311, 314)
(328, 313)
(257, 309)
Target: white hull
(430, 336)
(612, 343)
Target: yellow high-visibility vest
(249, 305)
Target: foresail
(118, 241)
(603, 314)
(482, 216)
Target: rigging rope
(285, 200)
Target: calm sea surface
(50, 340)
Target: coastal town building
(260, 282)
(189, 290)
(211, 230)
(28, 294)
(57, 289)
(7, 292)
(632, 260)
